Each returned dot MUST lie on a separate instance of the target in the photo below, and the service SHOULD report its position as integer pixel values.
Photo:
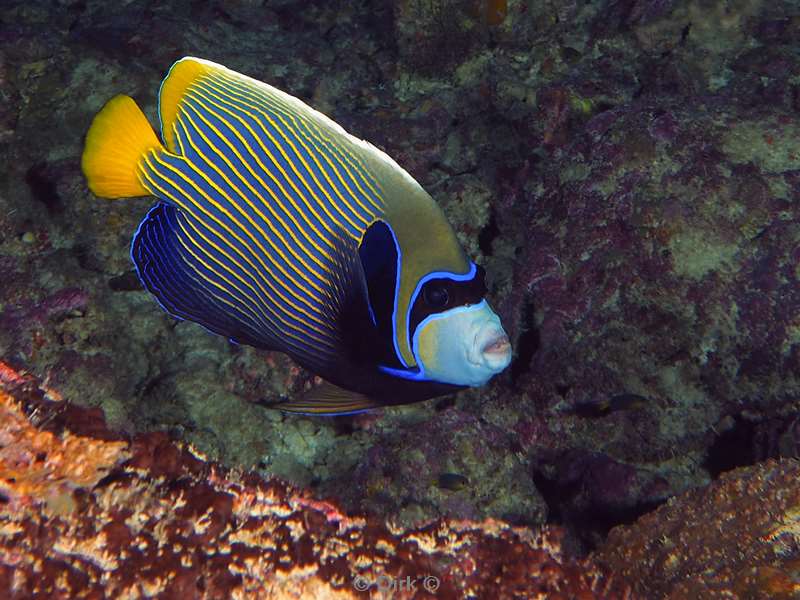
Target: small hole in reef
(527, 344)
(43, 188)
(445, 403)
(110, 478)
(487, 235)
(127, 282)
(344, 425)
(685, 32)
(587, 525)
(84, 257)
(733, 448)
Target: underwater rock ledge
(87, 512)
(736, 538)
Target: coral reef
(627, 171)
(671, 275)
(86, 511)
(39, 467)
(86, 515)
(405, 469)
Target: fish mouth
(500, 346)
(495, 352)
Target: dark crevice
(113, 477)
(733, 448)
(549, 490)
(43, 188)
(86, 259)
(445, 403)
(685, 33)
(148, 388)
(602, 107)
(344, 425)
(527, 343)
(127, 282)
(487, 235)
(588, 526)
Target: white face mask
(465, 345)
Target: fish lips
(491, 348)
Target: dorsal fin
(180, 76)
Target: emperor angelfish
(276, 228)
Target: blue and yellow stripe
(260, 195)
(257, 200)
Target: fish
(277, 229)
(453, 482)
(604, 407)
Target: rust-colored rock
(38, 466)
(737, 538)
(147, 518)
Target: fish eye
(435, 295)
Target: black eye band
(438, 295)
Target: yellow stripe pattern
(264, 197)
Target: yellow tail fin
(117, 139)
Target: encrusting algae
(41, 467)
